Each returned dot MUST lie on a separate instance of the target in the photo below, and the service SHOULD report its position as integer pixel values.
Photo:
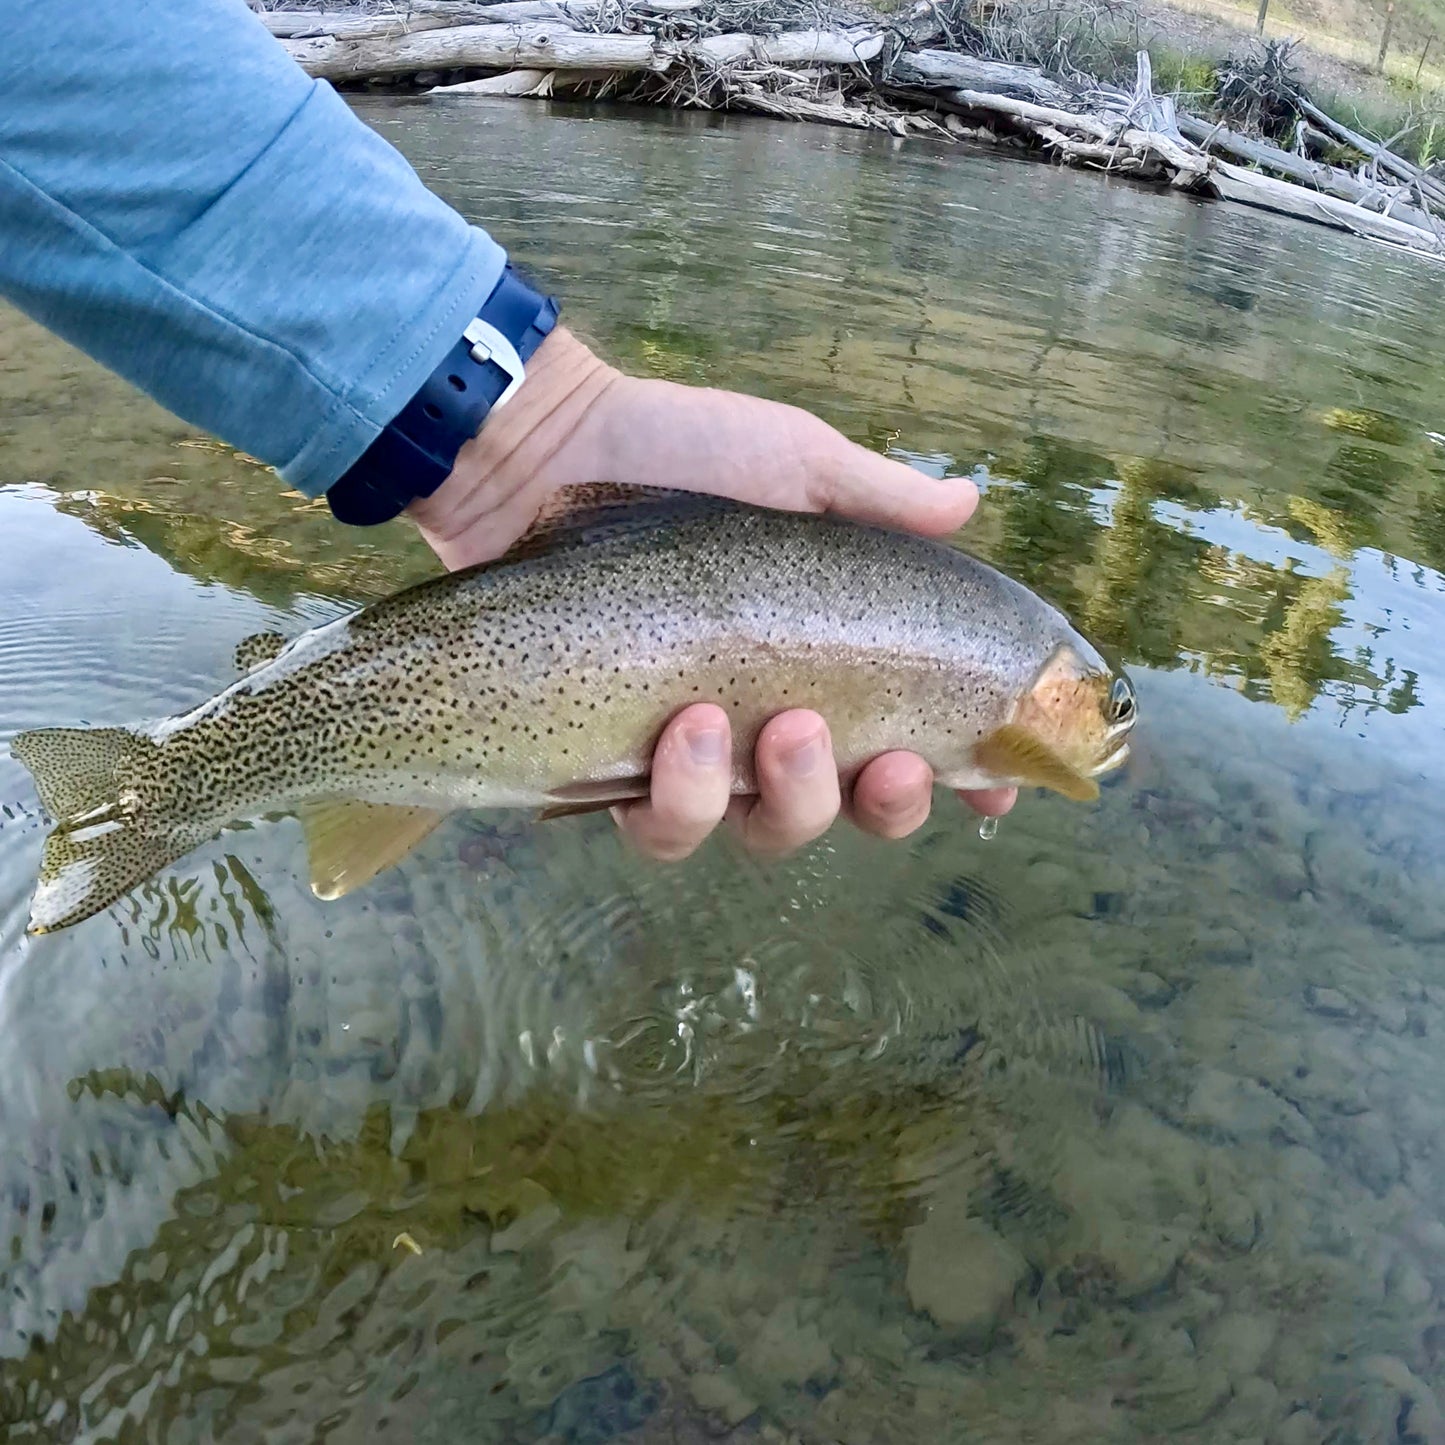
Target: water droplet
(988, 829)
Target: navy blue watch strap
(414, 454)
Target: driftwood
(1253, 189)
(967, 72)
(861, 75)
(1430, 190)
(306, 24)
(501, 47)
(559, 47)
(799, 47)
(1313, 175)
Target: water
(1124, 1126)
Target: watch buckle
(488, 344)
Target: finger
(892, 795)
(859, 483)
(991, 802)
(669, 435)
(797, 780)
(691, 783)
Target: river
(1126, 1125)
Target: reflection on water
(1124, 1125)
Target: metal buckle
(488, 344)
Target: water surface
(1124, 1126)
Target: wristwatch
(414, 454)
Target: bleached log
(1251, 188)
(1091, 152)
(1188, 165)
(1315, 175)
(972, 101)
(1429, 188)
(968, 72)
(493, 47)
(798, 47)
(797, 107)
(515, 82)
(348, 25)
(557, 47)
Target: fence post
(1429, 41)
(1259, 23)
(1385, 38)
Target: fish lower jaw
(1115, 759)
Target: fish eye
(1121, 701)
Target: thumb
(872, 488)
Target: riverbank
(1029, 75)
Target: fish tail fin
(102, 845)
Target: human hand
(576, 420)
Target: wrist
(552, 433)
(481, 370)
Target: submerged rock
(959, 1271)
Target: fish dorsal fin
(258, 649)
(585, 504)
(348, 843)
(1013, 752)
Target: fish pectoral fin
(1014, 752)
(349, 842)
(260, 648)
(578, 798)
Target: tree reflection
(1142, 568)
(1144, 584)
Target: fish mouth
(1115, 757)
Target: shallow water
(1125, 1125)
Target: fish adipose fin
(348, 842)
(1014, 752)
(260, 648)
(100, 848)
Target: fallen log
(347, 25)
(559, 47)
(968, 72)
(1315, 175)
(540, 83)
(1431, 190)
(1233, 183)
(490, 47)
(975, 102)
(307, 24)
(798, 47)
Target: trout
(543, 680)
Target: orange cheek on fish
(1059, 734)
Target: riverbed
(1126, 1125)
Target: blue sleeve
(179, 200)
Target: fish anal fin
(1014, 752)
(577, 798)
(258, 649)
(349, 842)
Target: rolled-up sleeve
(179, 200)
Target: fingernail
(803, 758)
(706, 746)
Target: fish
(542, 680)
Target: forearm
(181, 202)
